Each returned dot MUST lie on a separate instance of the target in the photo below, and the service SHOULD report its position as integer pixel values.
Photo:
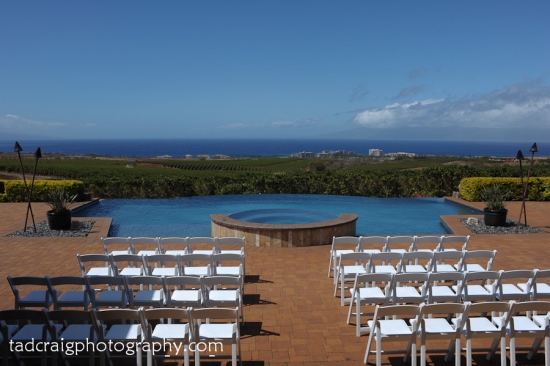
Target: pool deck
(291, 314)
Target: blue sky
(301, 69)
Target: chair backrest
(457, 242)
(376, 243)
(219, 314)
(101, 316)
(399, 311)
(183, 281)
(201, 243)
(32, 282)
(25, 316)
(344, 242)
(445, 257)
(148, 243)
(470, 256)
(162, 260)
(145, 280)
(447, 279)
(428, 242)
(230, 243)
(70, 316)
(511, 277)
(189, 259)
(415, 258)
(417, 280)
(460, 310)
(104, 259)
(530, 306)
(358, 258)
(117, 244)
(132, 260)
(82, 282)
(212, 281)
(172, 243)
(383, 258)
(108, 281)
(399, 242)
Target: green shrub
(15, 189)
(538, 189)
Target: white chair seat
(148, 252)
(76, 332)
(176, 252)
(11, 331)
(110, 296)
(33, 332)
(123, 332)
(480, 325)
(216, 331)
(36, 296)
(384, 268)
(415, 268)
(195, 271)
(72, 297)
(509, 289)
(524, 324)
(121, 252)
(148, 295)
(340, 252)
(165, 272)
(392, 327)
(542, 288)
(130, 271)
(445, 268)
(540, 320)
(202, 251)
(374, 293)
(474, 267)
(99, 271)
(186, 295)
(438, 326)
(170, 331)
(478, 290)
(442, 291)
(348, 270)
(223, 295)
(407, 292)
(228, 271)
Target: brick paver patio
(291, 314)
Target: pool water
(283, 216)
(190, 216)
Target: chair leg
(234, 354)
(379, 348)
(468, 352)
(546, 351)
(503, 351)
(457, 352)
(413, 353)
(329, 264)
(423, 353)
(350, 311)
(534, 348)
(369, 342)
(512, 351)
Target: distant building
(376, 152)
(203, 156)
(189, 156)
(221, 157)
(131, 163)
(303, 155)
(401, 155)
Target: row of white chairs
(410, 323)
(172, 245)
(141, 329)
(350, 264)
(227, 264)
(127, 291)
(399, 244)
(415, 288)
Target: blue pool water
(190, 216)
(283, 216)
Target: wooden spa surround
(287, 235)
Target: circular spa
(284, 227)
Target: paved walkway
(291, 314)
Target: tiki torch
(37, 155)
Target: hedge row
(14, 190)
(538, 188)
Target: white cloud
(521, 105)
(283, 124)
(15, 122)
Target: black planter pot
(59, 221)
(495, 218)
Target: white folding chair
(539, 289)
(232, 245)
(36, 293)
(201, 245)
(127, 333)
(478, 286)
(157, 333)
(409, 288)
(477, 325)
(395, 329)
(506, 291)
(151, 291)
(187, 291)
(173, 245)
(426, 243)
(440, 287)
(372, 244)
(522, 325)
(123, 245)
(382, 262)
(195, 264)
(399, 244)
(77, 295)
(148, 245)
(454, 243)
(415, 262)
(349, 264)
(109, 291)
(223, 326)
(370, 288)
(77, 327)
(467, 265)
(223, 291)
(340, 245)
(108, 268)
(446, 261)
(439, 327)
(130, 264)
(163, 264)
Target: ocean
(270, 147)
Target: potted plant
(59, 217)
(495, 200)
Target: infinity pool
(190, 216)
